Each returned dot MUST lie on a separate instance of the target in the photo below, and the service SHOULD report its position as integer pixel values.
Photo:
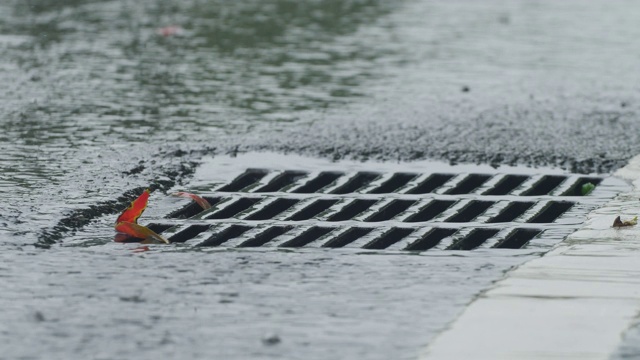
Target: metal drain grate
(397, 210)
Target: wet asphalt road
(95, 103)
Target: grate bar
(358, 181)
(308, 236)
(551, 212)
(518, 238)
(468, 184)
(314, 209)
(248, 178)
(506, 185)
(318, 182)
(474, 239)
(433, 182)
(430, 239)
(346, 237)
(388, 238)
(266, 236)
(545, 185)
(188, 233)
(234, 208)
(355, 223)
(495, 239)
(273, 209)
(281, 181)
(432, 210)
(228, 233)
(511, 212)
(471, 211)
(287, 236)
(391, 210)
(392, 184)
(351, 210)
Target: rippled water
(106, 302)
(91, 88)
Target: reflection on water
(93, 78)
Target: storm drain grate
(374, 210)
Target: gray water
(95, 103)
(109, 303)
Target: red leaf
(146, 235)
(133, 212)
(200, 201)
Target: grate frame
(378, 210)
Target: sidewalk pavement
(575, 302)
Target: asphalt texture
(103, 98)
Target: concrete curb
(575, 302)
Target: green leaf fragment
(587, 188)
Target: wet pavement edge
(577, 301)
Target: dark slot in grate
(308, 236)
(351, 210)
(273, 209)
(358, 181)
(511, 212)
(476, 238)
(471, 211)
(430, 211)
(158, 228)
(518, 238)
(191, 209)
(285, 179)
(322, 180)
(236, 207)
(507, 185)
(313, 209)
(249, 177)
(392, 209)
(347, 237)
(576, 189)
(389, 238)
(430, 239)
(394, 183)
(468, 184)
(266, 236)
(227, 234)
(430, 184)
(545, 185)
(188, 233)
(551, 212)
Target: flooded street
(103, 98)
(92, 89)
(108, 303)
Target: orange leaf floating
(127, 224)
(140, 232)
(133, 212)
(200, 201)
